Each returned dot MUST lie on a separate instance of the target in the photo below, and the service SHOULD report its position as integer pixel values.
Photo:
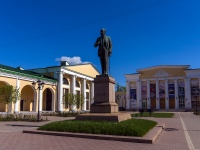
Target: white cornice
(130, 77)
(76, 74)
(163, 66)
(4, 74)
(193, 73)
(64, 70)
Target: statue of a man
(105, 50)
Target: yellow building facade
(163, 87)
(57, 80)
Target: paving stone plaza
(182, 132)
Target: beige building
(120, 98)
(163, 87)
(57, 80)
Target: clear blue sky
(145, 33)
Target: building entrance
(181, 102)
(171, 103)
(162, 103)
(21, 105)
(153, 103)
(144, 103)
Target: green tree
(9, 95)
(79, 101)
(71, 100)
(120, 88)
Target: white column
(127, 95)
(91, 93)
(166, 95)
(16, 106)
(176, 94)
(35, 100)
(60, 91)
(157, 95)
(73, 87)
(84, 92)
(40, 99)
(187, 94)
(138, 86)
(73, 84)
(148, 95)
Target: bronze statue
(104, 51)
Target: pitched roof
(164, 66)
(26, 73)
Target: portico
(162, 87)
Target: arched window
(65, 81)
(77, 84)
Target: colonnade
(138, 102)
(72, 87)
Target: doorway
(22, 105)
(48, 100)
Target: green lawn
(131, 127)
(156, 115)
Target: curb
(149, 138)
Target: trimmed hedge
(156, 115)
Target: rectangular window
(161, 89)
(153, 90)
(171, 90)
(144, 90)
(133, 94)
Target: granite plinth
(117, 117)
(104, 95)
(104, 108)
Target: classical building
(120, 99)
(30, 95)
(57, 80)
(163, 87)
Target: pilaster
(187, 94)
(127, 95)
(84, 92)
(16, 105)
(176, 94)
(166, 94)
(73, 87)
(157, 95)
(148, 95)
(138, 87)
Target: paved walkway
(181, 133)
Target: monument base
(116, 117)
(104, 108)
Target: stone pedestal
(117, 117)
(104, 106)
(104, 95)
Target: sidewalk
(171, 138)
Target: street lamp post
(40, 85)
